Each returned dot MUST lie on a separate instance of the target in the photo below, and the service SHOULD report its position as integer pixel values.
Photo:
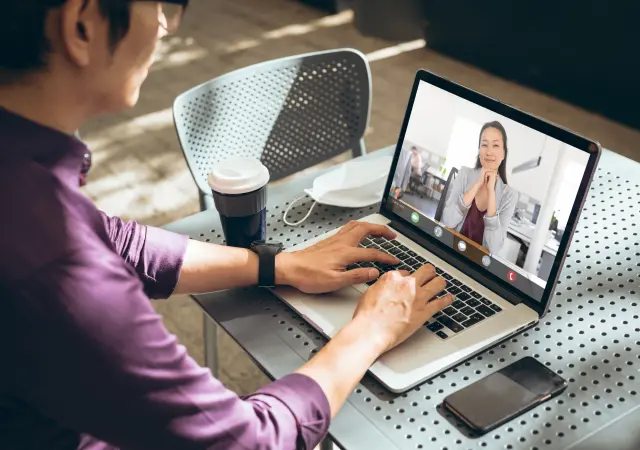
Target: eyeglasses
(170, 14)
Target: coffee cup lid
(238, 175)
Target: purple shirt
(86, 361)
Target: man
(86, 362)
(402, 176)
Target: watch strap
(267, 264)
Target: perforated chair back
(291, 113)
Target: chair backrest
(291, 113)
(445, 192)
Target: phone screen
(502, 395)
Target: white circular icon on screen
(486, 261)
(438, 231)
(462, 246)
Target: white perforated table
(591, 335)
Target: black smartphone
(504, 395)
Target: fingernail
(373, 274)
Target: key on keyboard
(477, 316)
(442, 335)
(458, 304)
(485, 310)
(411, 262)
(473, 302)
(470, 322)
(435, 326)
(454, 290)
(450, 323)
(387, 246)
(459, 317)
(467, 311)
(450, 311)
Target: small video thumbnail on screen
(499, 185)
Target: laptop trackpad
(330, 312)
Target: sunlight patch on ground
(130, 129)
(292, 30)
(396, 50)
(177, 51)
(179, 58)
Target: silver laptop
(502, 267)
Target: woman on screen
(480, 204)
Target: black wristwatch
(266, 252)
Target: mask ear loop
(294, 224)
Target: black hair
(502, 169)
(23, 44)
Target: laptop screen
(497, 192)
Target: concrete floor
(139, 172)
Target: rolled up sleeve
(157, 255)
(310, 412)
(115, 373)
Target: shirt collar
(64, 154)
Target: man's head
(101, 48)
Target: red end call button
(511, 276)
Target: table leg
(210, 345)
(326, 444)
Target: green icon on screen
(415, 217)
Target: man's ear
(78, 28)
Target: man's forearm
(211, 267)
(342, 363)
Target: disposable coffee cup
(239, 188)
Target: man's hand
(321, 267)
(387, 314)
(398, 304)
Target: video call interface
(496, 191)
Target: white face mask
(354, 184)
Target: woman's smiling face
(491, 148)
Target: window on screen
(463, 144)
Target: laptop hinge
(442, 252)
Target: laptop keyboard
(468, 309)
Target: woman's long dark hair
(502, 170)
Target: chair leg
(210, 345)
(206, 202)
(359, 150)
